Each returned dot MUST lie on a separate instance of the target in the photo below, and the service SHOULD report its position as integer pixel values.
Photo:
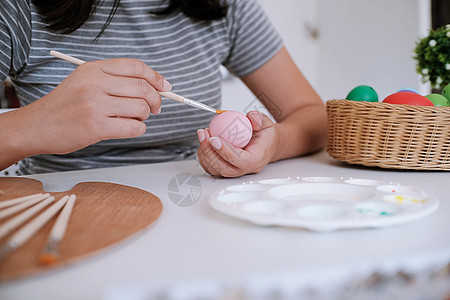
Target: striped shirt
(186, 52)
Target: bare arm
(300, 128)
(300, 113)
(100, 100)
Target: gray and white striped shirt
(186, 52)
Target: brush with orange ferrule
(169, 95)
(26, 232)
(50, 254)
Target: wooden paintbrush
(18, 220)
(30, 201)
(26, 232)
(15, 201)
(169, 95)
(51, 251)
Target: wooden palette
(104, 215)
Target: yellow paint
(399, 199)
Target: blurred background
(339, 44)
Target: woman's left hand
(219, 158)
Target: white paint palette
(324, 203)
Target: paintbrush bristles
(51, 253)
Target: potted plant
(432, 54)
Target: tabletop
(193, 249)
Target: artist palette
(324, 203)
(104, 215)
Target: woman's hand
(219, 158)
(298, 110)
(100, 100)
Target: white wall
(291, 18)
(366, 42)
(359, 42)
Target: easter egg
(232, 126)
(438, 100)
(408, 89)
(446, 92)
(363, 93)
(408, 98)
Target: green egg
(363, 93)
(438, 100)
(446, 92)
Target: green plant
(432, 54)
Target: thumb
(259, 120)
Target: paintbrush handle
(187, 101)
(196, 104)
(77, 61)
(60, 226)
(16, 201)
(22, 205)
(169, 95)
(67, 57)
(15, 222)
(26, 232)
(172, 96)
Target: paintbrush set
(41, 231)
(26, 215)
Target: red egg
(408, 98)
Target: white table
(196, 248)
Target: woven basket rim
(392, 136)
(390, 106)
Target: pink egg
(232, 126)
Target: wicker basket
(389, 135)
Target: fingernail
(167, 86)
(257, 116)
(201, 135)
(158, 111)
(215, 142)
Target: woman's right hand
(100, 100)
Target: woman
(108, 112)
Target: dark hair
(66, 16)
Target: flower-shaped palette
(324, 203)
